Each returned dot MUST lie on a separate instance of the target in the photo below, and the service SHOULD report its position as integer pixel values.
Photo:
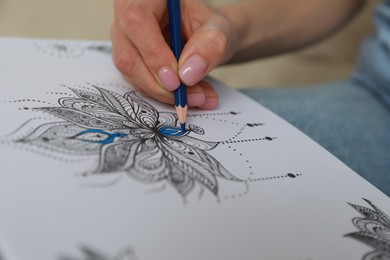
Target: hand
(140, 34)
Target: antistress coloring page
(92, 169)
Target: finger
(195, 96)
(130, 64)
(210, 45)
(211, 96)
(143, 22)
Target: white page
(282, 196)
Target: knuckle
(166, 100)
(126, 63)
(163, 97)
(219, 42)
(132, 17)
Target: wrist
(239, 24)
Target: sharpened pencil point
(181, 116)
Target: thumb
(210, 45)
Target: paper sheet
(93, 170)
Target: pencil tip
(183, 126)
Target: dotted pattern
(267, 138)
(60, 50)
(24, 125)
(249, 180)
(48, 153)
(60, 93)
(214, 116)
(288, 175)
(28, 100)
(243, 128)
(239, 195)
(201, 193)
(90, 87)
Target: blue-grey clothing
(374, 62)
(350, 119)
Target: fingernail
(168, 78)
(193, 70)
(195, 99)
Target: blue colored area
(109, 139)
(172, 131)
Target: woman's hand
(140, 36)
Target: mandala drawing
(374, 231)
(129, 135)
(88, 253)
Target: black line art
(374, 231)
(129, 135)
(89, 253)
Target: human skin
(238, 32)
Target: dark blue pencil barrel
(180, 96)
(176, 42)
(175, 27)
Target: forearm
(269, 27)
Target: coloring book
(92, 170)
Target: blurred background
(333, 59)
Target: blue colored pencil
(176, 38)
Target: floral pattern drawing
(374, 231)
(129, 135)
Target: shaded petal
(108, 105)
(364, 211)
(196, 143)
(375, 214)
(57, 136)
(149, 163)
(90, 108)
(375, 255)
(383, 216)
(117, 156)
(181, 181)
(138, 112)
(377, 242)
(141, 111)
(193, 149)
(370, 225)
(167, 119)
(115, 101)
(91, 96)
(79, 118)
(195, 163)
